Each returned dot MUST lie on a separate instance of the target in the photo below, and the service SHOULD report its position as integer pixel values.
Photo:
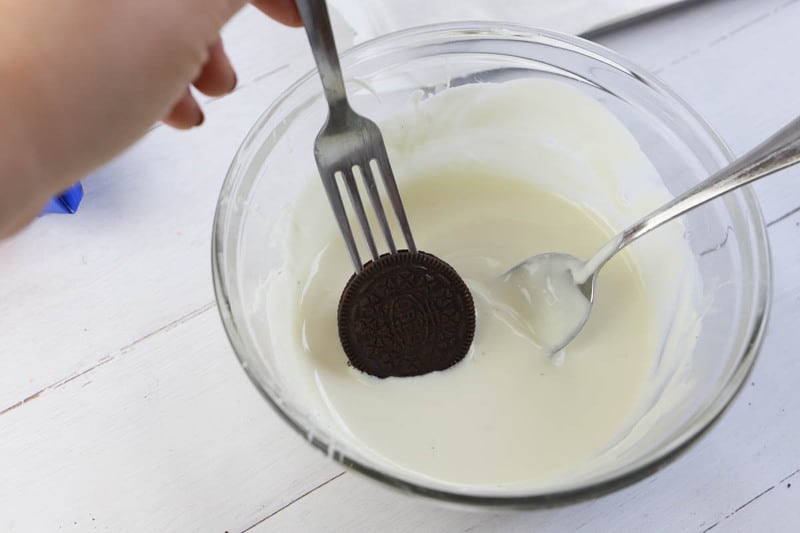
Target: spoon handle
(776, 153)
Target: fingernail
(235, 82)
(200, 119)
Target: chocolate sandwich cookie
(406, 314)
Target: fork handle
(320, 35)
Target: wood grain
(168, 435)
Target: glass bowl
(727, 237)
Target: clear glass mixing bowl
(727, 236)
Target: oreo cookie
(406, 314)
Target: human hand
(90, 77)
(217, 76)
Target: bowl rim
(633, 472)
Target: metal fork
(349, 144)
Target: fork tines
(355, 177)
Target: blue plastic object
(66, 202)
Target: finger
(186, 113)
(284, 11)
(217, 76)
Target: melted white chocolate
(488, 174)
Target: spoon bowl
(552, 298)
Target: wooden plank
(777, 505)
(168, 435)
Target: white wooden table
(122, 407)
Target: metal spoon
(781, 150)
